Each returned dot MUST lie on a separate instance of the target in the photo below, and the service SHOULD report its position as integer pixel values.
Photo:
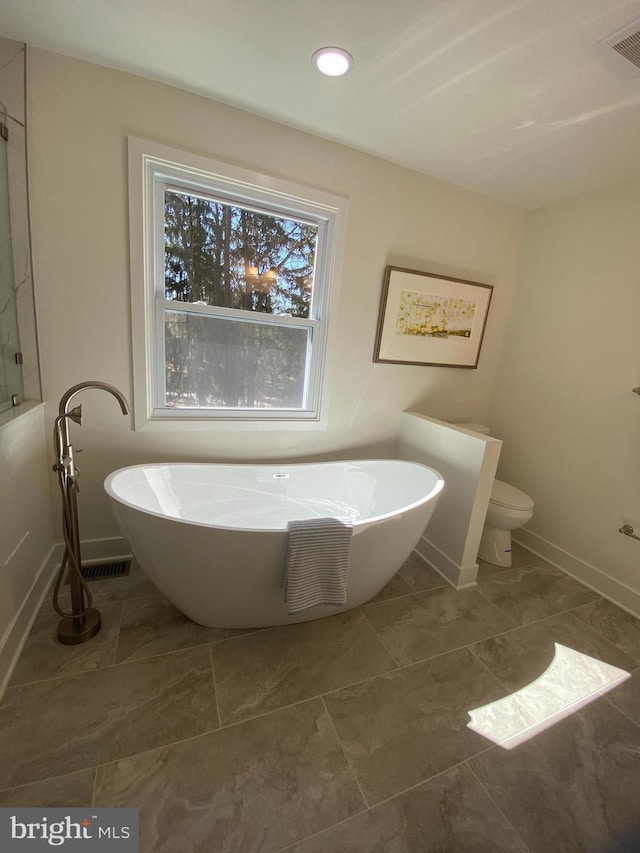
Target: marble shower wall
(22, 304)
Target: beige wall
(80, 116)
(562, 400)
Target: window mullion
(237, 314)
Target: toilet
(509, 508)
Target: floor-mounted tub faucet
(83, 621)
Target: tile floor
(346, 734)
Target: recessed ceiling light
(333, 61)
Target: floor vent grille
(101, 571)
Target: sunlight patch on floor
(570, 682)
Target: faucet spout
(63, 408)
(63, 441)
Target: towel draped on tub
(317, 562)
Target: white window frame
(154, 168)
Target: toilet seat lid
(503, 494)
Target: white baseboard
(93, 551)
(458, 577)
(15, 638)
(606, 586)
(98, 550)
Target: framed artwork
(431, 319)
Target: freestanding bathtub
(213, 537)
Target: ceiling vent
(627, 43)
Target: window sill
(227, 425)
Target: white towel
(317, 561)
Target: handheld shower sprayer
(83, 621)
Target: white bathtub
(213, 538)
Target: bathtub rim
(357, 525)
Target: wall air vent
(630, 48)
(627, 43)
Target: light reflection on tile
(505, 721)
(571, 681)
(520, 656)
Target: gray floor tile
(449, 813)
(420, 575)
(402, 728)
(152, 626)
(253, 787)
(277, 667)
(397, 586)
(44, 656)
(265, 783)
(572, 788)
(486, 570)
(523, 655)
(55, 727)
(430, 623)
(521, 557)
(618, 626)
(528, 595)
(626, 697)
(72, 791)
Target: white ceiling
(518, 99)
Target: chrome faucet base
(79, 629)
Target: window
(233, 278)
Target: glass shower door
(10, 370)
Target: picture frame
(429, 319)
